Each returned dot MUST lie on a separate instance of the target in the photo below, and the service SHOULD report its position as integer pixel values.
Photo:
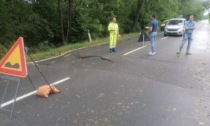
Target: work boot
(110, 50)
(114, 50)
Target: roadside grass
(53, 52)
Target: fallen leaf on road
(101, 95)
(76, 118)
(77, 96)
(92, 111)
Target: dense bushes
(51, 23)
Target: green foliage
(206, 4)
(191, 7)
(3, 51)
(45, 23)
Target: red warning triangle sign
(14, 63)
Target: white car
(175, 26)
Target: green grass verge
(63, 49)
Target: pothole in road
(100, 57)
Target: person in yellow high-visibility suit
(114, 34)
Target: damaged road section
(93, 56)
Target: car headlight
(180, 29)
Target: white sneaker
(150, 53)
(188, 53)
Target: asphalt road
(121, 90)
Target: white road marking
(31, 93)
(134, 50)
(164, 38)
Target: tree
(61, 22)
(47, 23)
(138, 12)
(68, 34)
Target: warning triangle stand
(13, 67)
(2, 104)
(14, 62)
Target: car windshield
(175, 22)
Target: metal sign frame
(9, 78)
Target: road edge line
(134, 50)
(31, 93)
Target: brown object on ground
(54, 90)
(45, 90)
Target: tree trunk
(138, 11)
(61, 22)
(68, 36)
(146, 5)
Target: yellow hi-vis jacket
(113, 28)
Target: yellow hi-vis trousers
(113, 40)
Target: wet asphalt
(111, 89)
